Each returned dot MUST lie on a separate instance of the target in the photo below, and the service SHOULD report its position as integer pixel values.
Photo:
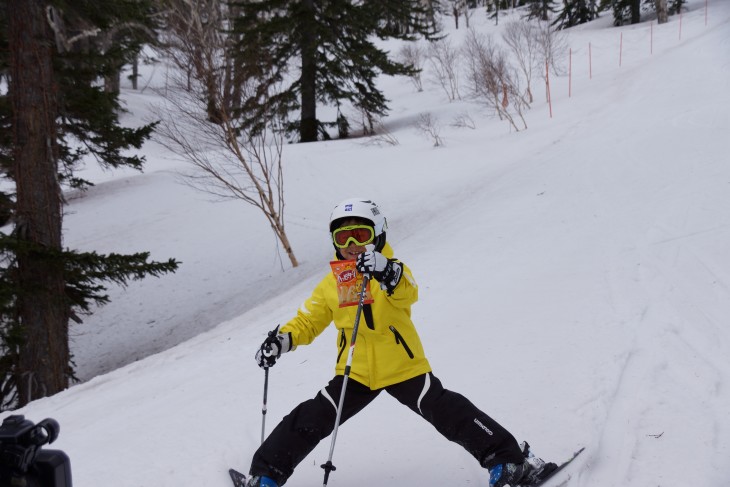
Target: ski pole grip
(267, 348)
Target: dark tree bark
(662, 11)
(308, 128)
(135, 72)
(44, 313)
(635, 11)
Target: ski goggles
(357, 234)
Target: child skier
(388, 357)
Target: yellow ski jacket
(388, 349)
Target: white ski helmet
(359, 208)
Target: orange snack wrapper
(349, 283)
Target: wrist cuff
(286, 342)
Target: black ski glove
(272, 348)
(387, 272)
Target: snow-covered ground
(574, 283)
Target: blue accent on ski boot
(532, 471)
(239, 480)
(512, 474)
(267, 482)
(495, 474)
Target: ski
(557, 470)
(239, 480)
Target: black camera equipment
(22, 461)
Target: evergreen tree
(629, 11)
(676, 6)
(497, 6)
(332, 41)
(94, 39)
(53, 113)
(38, 204)
(540, 9)
(576, 12)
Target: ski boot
(263, 481)
(524, 474)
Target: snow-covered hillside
(574, 283)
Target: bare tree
(467, 14)
(414, 55)
(522, 39)
(459, 8)
(194, 42)
(463, 120)
(230, 158)
(381, 136)
(551, 43)
(429, 125)
(492, 79)
(444, 61)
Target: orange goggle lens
(358, 234)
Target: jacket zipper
(368, 312)
(343, 344)
(399, 339)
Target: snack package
(349, 283)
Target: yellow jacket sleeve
(313, 316)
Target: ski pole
(328, 467)
(266, 386)
(263, 408)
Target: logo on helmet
(348, 207)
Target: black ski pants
(453, 415)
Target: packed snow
(574, 281)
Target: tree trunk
(284, 239)
(662, 12)
(113, 82)
(43, 312)
(635, 11)
(308, 122)
(135, 71)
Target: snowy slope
(574, 283)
